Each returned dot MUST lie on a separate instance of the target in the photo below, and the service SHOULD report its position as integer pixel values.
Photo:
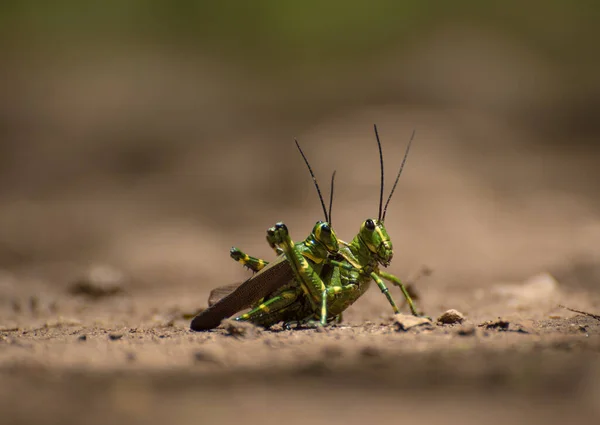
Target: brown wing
(221, 292)
(267, 280)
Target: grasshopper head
(372, 232)
(376, 239)
(324, 234)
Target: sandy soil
(543, 371)
(505, 236)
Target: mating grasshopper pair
(313, 280)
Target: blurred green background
(291, 33)
(311, 39)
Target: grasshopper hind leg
(271, 311)
(253, 263)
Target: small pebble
(404, 322)
(451, 317)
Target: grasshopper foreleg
(391, 278)
(253, 263)
(309, 280)
(385, 291)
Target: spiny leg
(391, 278)
(253, 263)
(385, 291)
(313, 287)
(309, 280)
(270, 306)
(272, 240)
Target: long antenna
(314, 179)
(381, 163)
(399, 172)
(331, 196)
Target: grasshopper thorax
(374, 236)
(324, 235)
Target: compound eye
(325, 228)
(369, 224)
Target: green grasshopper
(361, 258)
(276, 292)
(326, 280)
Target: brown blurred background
(152, 136)
(141, 139)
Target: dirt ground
(70, 371)
(510, 231)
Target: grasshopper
(360, 259)
(278, 291)
(318, 280)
